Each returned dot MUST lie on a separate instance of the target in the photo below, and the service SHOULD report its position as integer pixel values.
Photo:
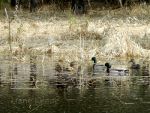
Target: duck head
(94, 60)
(108, 66)
(132, 61)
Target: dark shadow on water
(0, 77)
(15, 69)
(33, 71)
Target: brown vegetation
(102, 33)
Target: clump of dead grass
(139, 10)
(120, 44)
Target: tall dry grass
(105, 34)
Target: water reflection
(33, 71)
(92, 83)
(15, 69)
(14, 75)
(105, 94)
(143, 88)
(0, 77)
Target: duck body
(98, 68)
(119, 72)
(134, 65)
(65, 77)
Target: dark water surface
(26, 88)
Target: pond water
(28, 88)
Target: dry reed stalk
(9, 30)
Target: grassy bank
(105, 33)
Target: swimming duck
(66, 75)
(134, 65)
(60, 68)
(98, 68)
(120, 72)
(145, 69)
(75, 68)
